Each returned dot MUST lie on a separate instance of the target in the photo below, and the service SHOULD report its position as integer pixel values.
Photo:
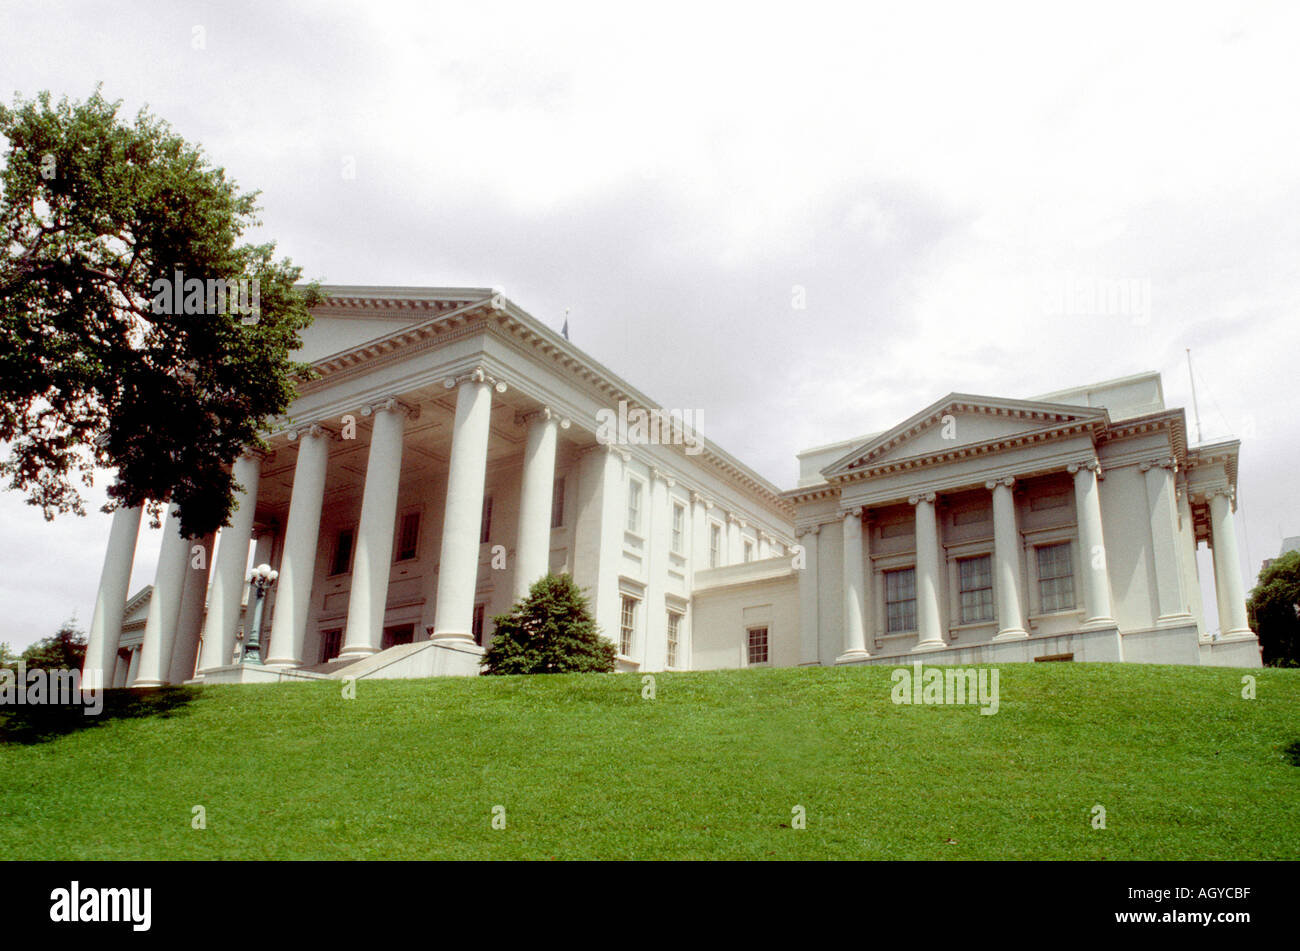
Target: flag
(565, 329)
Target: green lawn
(586, 768)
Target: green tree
(98, 368)
(548, 632)
(1274, 608)
(64, 651)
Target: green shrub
(549, 632)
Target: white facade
(989, 530)
(450, 452)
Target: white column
(734, 551)
(1162, 513)
(855, 632)
(598, 533)
(537, 485)
(232, 563)
(699, 534)
(372, 564)
(458, 565)
(809, 606)
(110, 601)
(1187, 552)
(1092, 544)
(1006, 562)
(298, 561)
(133, 667)
(121, 670)
(1233, 624)
(164, 605)
(189, 622)
(658, 535)
(928, 617)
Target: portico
(436, 467)
(986, 529)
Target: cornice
(966, 451)
(454, 314)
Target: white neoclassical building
(453, 449)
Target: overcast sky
(927, 179)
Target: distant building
(1288, 544)
(453, 449)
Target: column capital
(311, 429)
(477, 375)
(391, 404)
(1223, 490)
(923, 497)
(810, 530)
(854, 512)
(1162, 463)
(698, 498)
(1091, 464)
(252, 452)
(545, 413)
(657, 473)
(1007, 481)
(734, 519)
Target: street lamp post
(261, 578)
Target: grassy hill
(586, 768)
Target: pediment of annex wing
(959, 426)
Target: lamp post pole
(261, 578)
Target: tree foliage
(65, 650)
(548, 632)
(1274, 608)
(100, 217)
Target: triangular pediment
(961, 421)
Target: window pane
(900, 600)
(976, 588)
(1055, 577)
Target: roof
(435, 310)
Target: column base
(148, 683)
(451, 637)
(1011, 634)
(930, 645)
(1245, 634)
(357, 653)
(1174, 620)
(1099, 622)
(273, 662)
(851, 656)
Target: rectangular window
(557, 503)
(1055, 578)
(627, 626)
(715, 545)
(749, 551)
(900, 600)
(476, 625)
(485, 528)
(342, 561)
(975, 577)
(674, 636)
(679, 526)
(634, 506)
(331, 642)
(757, 645)
(408, 536)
